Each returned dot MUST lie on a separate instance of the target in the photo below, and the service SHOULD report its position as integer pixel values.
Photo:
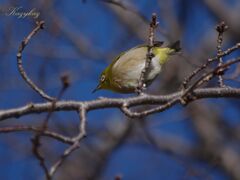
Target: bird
(123, 74)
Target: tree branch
(48, 133)
(24, 75)
(221, 28)
(142, 80)
(163, 102)
(34, 108)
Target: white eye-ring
(102, 78)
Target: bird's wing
(130, 64)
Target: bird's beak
(97, 88)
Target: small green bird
(123, 74)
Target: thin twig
(142, 80)
(160, 108)
(82, 125)
(207, 77)
(40, 25)
(77, 139)
(66, 153)
(47, 133)
(221, 28)
(37, 138)
(209, 61)
(36, 151)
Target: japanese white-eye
(123, 74)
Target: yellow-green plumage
(123, 74)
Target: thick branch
(116, 102)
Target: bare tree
(199, 84)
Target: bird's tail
(176, 46)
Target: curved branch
(20, 66)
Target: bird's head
(104, 81)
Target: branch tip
(222, 27)
(40, 24)
(65, 80)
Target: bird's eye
(102, 78)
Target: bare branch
(209, 61)
(116, 102)
(66, 153)
(160, 108)
(77, 139)
(47, 133)
(37, 138)
(20, 66)
(36, 151)
(221, 28)
(142, 80)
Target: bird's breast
(155, 68)
(128, 79)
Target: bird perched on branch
(123, 74)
